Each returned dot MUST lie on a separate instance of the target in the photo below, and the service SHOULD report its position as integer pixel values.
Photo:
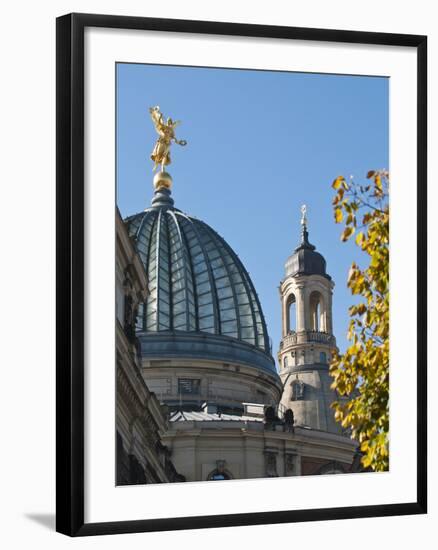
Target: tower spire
(304, 233)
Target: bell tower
(307, 336)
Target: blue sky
(260, 144)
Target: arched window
(331, 468)
(218, 476)
(286, 362)
(291, 314)
(322, 357)
(220, 473)
(316, 312)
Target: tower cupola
(305, 260)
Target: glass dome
(196, 281)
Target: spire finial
(304, 216)
(304, 233)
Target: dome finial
(161, 156)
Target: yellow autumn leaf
(346, 233)
(337, 182)
(359, 238)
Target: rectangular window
(189, 386)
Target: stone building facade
(140, 418)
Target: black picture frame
(70, 272)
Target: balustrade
(309, 335)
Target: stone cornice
(300, 436)
(145, 406)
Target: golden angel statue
(166, 133)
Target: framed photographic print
(241, 293)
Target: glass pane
(196, 258)
(178, 296)
(243, 298)
(246, 320)
(209, 245)
(245, 310)
(228, 315)
(200, 267)
(229, 326)
(205, 298)
(206, 322)
(203, 287)
(178, 285)
(216, 263)
(225, 292)
(226, 304)
(220, 283)
(213, 254)
(163, 316)
(180, 318)
(179, 307)
(202, 277)
(206, 310)
(235, 277)
(247, 332)
(196, 250)
(219, 272)
(164, 275)
(240, 288)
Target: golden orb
(162, 180)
